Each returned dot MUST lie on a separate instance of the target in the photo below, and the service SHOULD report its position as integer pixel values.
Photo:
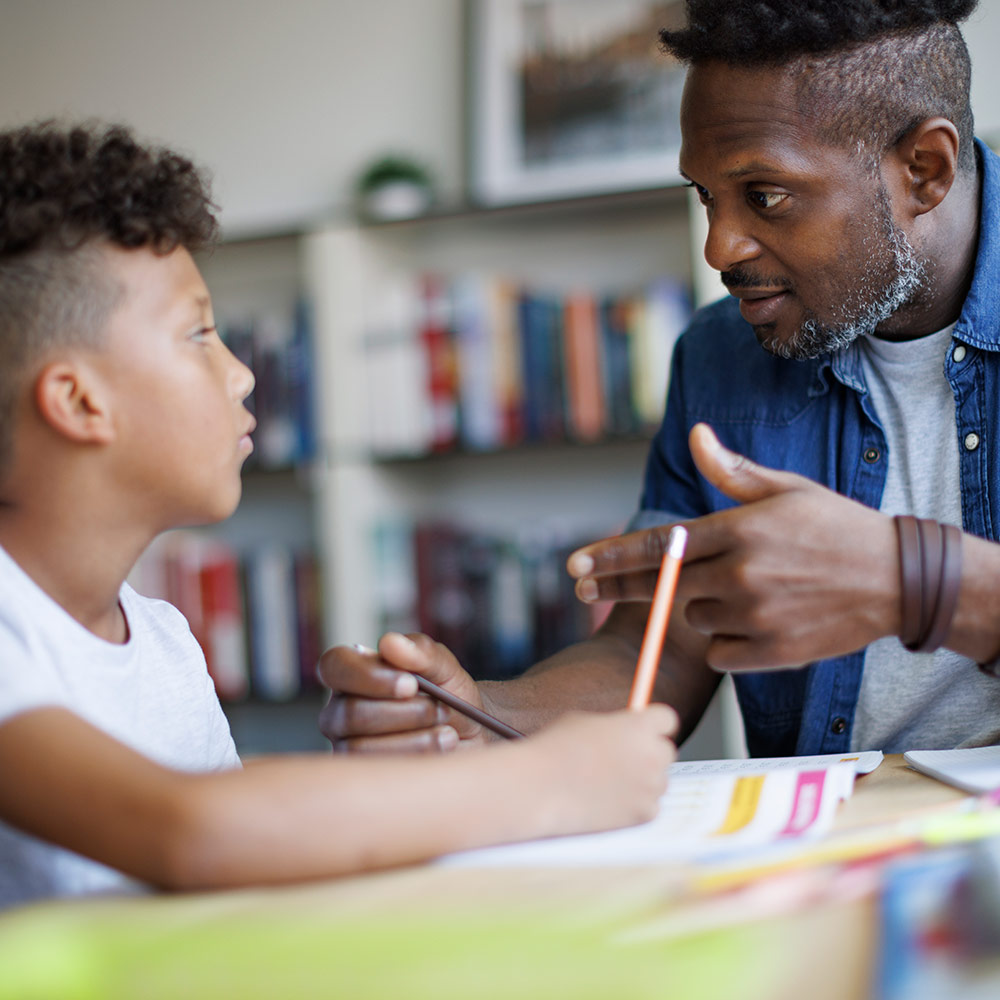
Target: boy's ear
(72, 400)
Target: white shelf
(600, 244)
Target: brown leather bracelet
(910, 578)
(931, 559)
(949, 583)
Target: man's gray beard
(868, 307)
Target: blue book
(534, 363)
(616, 340)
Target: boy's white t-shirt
(152, 693)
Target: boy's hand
(374, 703)
(606, 770)
(794, 574)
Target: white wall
(284, 101)
(982, 34)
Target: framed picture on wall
(571, 97)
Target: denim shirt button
(838, 726)
(958, 354)
(871, 455)
(971, 441)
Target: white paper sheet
(864, 763)
(706, 815)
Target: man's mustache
(739, 277)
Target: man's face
(801, 231)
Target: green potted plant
(394, 187)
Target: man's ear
(73, 401)
(924, 165)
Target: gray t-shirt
(152, 693)
(919, 700)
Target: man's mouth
(760, 306)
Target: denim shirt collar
(979, 321)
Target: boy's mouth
(246, 442)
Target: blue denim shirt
(816, 418)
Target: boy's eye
(765, 199)
(203, 332)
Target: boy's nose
(246, 383)
(241, 377)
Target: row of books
(279, 351)
(481, 363)
(257, 615)
(499, 603)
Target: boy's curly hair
(64, 192)
(869, 70)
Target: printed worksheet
(864, 762)
(702, 816)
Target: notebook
(974, 769)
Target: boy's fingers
(663, 718)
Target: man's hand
(374, 704)
(794, 574)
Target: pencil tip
(677, 541)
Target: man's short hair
(868, 70)
(65, 191)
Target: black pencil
(476, 714)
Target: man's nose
(728, 244)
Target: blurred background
(456, 255)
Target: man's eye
(703, 196)
(765, 199)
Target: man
(857, 225)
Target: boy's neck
(80, 561)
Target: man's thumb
(733, 474)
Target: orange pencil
(659, 616)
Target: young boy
(121, 415)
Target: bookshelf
(605, 243)
(566, 491)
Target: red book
(223, 633)
(309, 616)
(582, 344)
(444, 609)
(442, 376)
(505, 334)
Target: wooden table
(440, 932)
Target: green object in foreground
(171, 949)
